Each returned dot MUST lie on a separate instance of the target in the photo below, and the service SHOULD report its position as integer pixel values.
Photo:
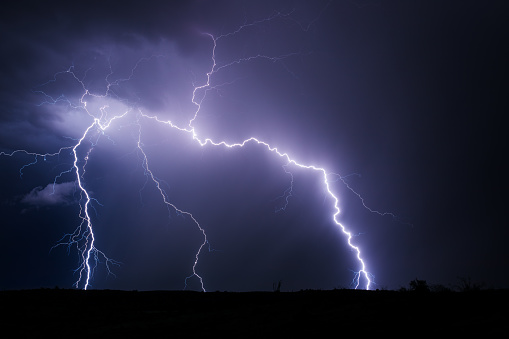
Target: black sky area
(405, 100)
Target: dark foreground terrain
(101, 313)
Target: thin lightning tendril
(83, 237)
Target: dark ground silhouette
(101, 313)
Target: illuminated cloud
(51, 195)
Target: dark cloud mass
(404, 100)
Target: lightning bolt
(83, 237)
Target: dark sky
(402, 102)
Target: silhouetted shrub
(466, 285)
(439, 288)
(276, 287)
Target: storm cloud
(53, 194)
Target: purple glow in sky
(373, 108)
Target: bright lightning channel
(83, 237)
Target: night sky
(402, 102)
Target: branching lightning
(83, 237)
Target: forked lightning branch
(83, 238)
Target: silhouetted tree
(420, 286)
